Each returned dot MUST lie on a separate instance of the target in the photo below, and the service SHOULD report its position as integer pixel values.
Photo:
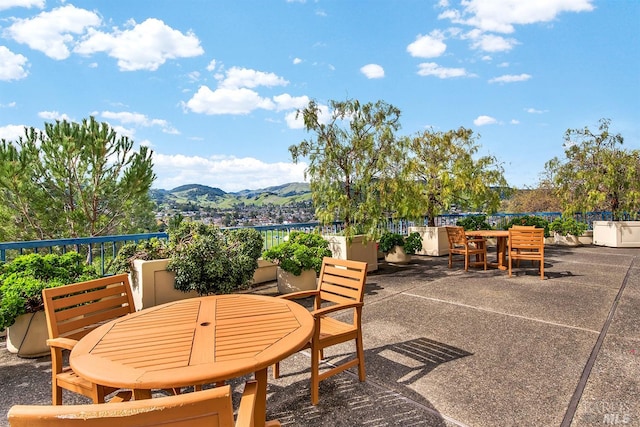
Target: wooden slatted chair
(527, 244)
(341, 284)
(460, 244)
(73, 311)
(212, 407)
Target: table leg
(260, 410)
(501, 247)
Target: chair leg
(450, 259)
(360, 351)
(56, 394)
(315, 376)
(510, 266)
(275, 368)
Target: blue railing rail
(92, 247)
(106, 247)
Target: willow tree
(597, 174)
(446, 171)
(75, 179)
(353, 160)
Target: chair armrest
(64, 343)
(326, 310)
(300, 294)
(247, 404)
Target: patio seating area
(445, 347)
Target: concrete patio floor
(449, 348)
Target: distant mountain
(205, 196)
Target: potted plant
(567, 230)
(445, 171)
(299, 260)
(198, 259)
(353, 157)
(598, 175)
(21, 307)
(397, 248)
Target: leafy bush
(209, 260)
(411, 244)
(302, 251)
(530, 220)
(146, 250)
(568, 225)
(23, 279)
(474, 222)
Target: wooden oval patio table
(501, 244)
(194, 341)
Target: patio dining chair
(461, 244)
(211, 407)
(73, 311)
(526, 244)
(340, 287)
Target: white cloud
(7, 4)
(53, 115)
(212, 65)
(493, 43)
(246, 78)
(510, 78)
(500, 16)
(12, 65)
(484, 120)
(297, 61)
(52, 32)
(144, 46)
(288, 102)
(429, 46)
(534, 111)
(227, 173)
(433, 69)
(515, 122)
(372, 71)
(126, 117)
(227, 101)
(11, 132)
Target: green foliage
(75, 179)
(208, 260)
(568, 226)
(302, 251)
(146, 250)
(353, 162)
(529, 220)
(444, 170)
(474, 222)
(411, 243)
(23, 279)
(597, 174)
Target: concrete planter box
(434, 240)
(289, 282)
(27, 337)
(568, 240)
(154, 285)
(617, 234)
(397, 255)
(359, 249)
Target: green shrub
(302, 251)
(568, 225)
(474, 222)
(530, 220)
(23, 279)
(209, 260)
(411, 244)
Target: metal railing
(103, 248)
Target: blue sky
(212, 86)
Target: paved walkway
(449, 348)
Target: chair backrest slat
(342, 281)
(74, 310)
(212, 407)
